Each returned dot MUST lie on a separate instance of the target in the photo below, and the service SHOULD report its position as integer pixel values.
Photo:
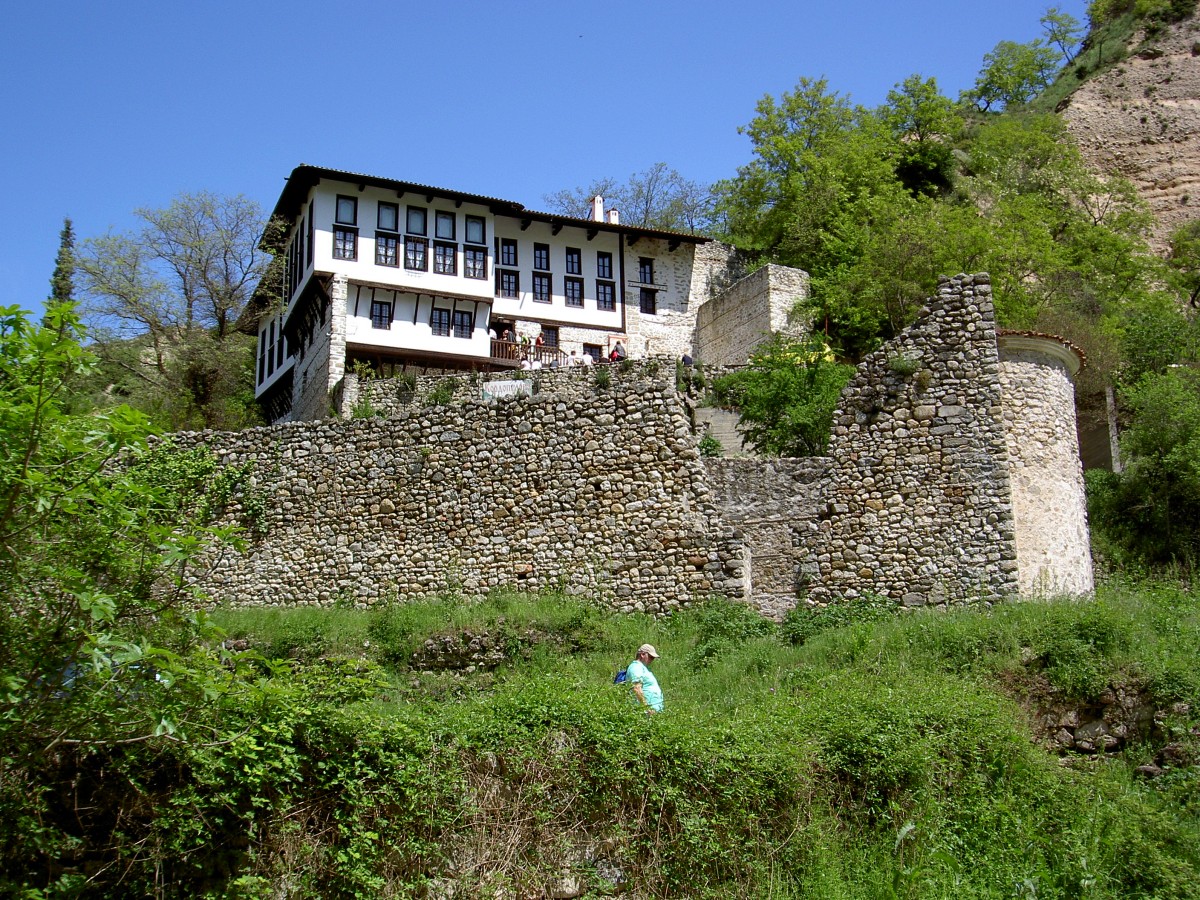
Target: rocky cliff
(1141, 119)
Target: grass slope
(444, 749)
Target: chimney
(597, 209)
(613, 217)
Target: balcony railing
(514, 353)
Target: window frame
(440, 249)
(509, 253)
(437, 326)
(604, 265)
(345, 237)
(606, 296)
(648, 308)
(395, 208)
(502, 277)
(541, 257)
(456, 317)
(574, 261)
(440, 216)
(423, 212)
(382, 259)
(646, 269)
(337, 211)
(469, 270)
(411, 257)
(383, 306)
(542, 289)
(574, 299)
(475, 220)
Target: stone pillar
(1045, 472)
(338, 292)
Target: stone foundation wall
(596, 492)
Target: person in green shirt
(645, 685)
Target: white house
(403, 276)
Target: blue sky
(108, 107)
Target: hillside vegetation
(443, 749)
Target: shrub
(804, 622)
(710, 446)
(444, 392)
(602, 377)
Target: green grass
(847, 755)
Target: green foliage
(1151, 510)
(602, 378)
(1013, 74)
(443, 393)
(406, 387)
(786, 396)
(709, 446)
(804, 622)
(721, 626)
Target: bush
(805, 622)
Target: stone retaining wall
(595, 492)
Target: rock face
(1141, 120)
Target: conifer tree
(62, 282)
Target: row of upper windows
(443, 322)
(446, 229)
(416, 220)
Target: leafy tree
(98, 533)
(1063, 31)
(1013, 74)
(657, 198)
(162, 303)
(62, 283)
(786, 396)
(1150, 512)
(1184, 260)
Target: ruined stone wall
(596, 492)
(775, 505)
(729, 327)
(920, 508)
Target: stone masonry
(920, 508)
(952, 478)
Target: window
(550, 335)
(645, 270)
(312, 233)
(574, 261)
(573, 289)
(474, 262)
(386, 247)
(476, 230)
(463, 323)
(592, 350)
(603, 265)
(508, 283)
(347, 210)
(345, 243)
(648, 301)
(389, 217)
(445, 258)
(508, 252)
(416, 253)
(439, 322)
(541, 287)
(443, 226)
(417, 222)
(606, 295)
(381, 314)
(541, 257)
